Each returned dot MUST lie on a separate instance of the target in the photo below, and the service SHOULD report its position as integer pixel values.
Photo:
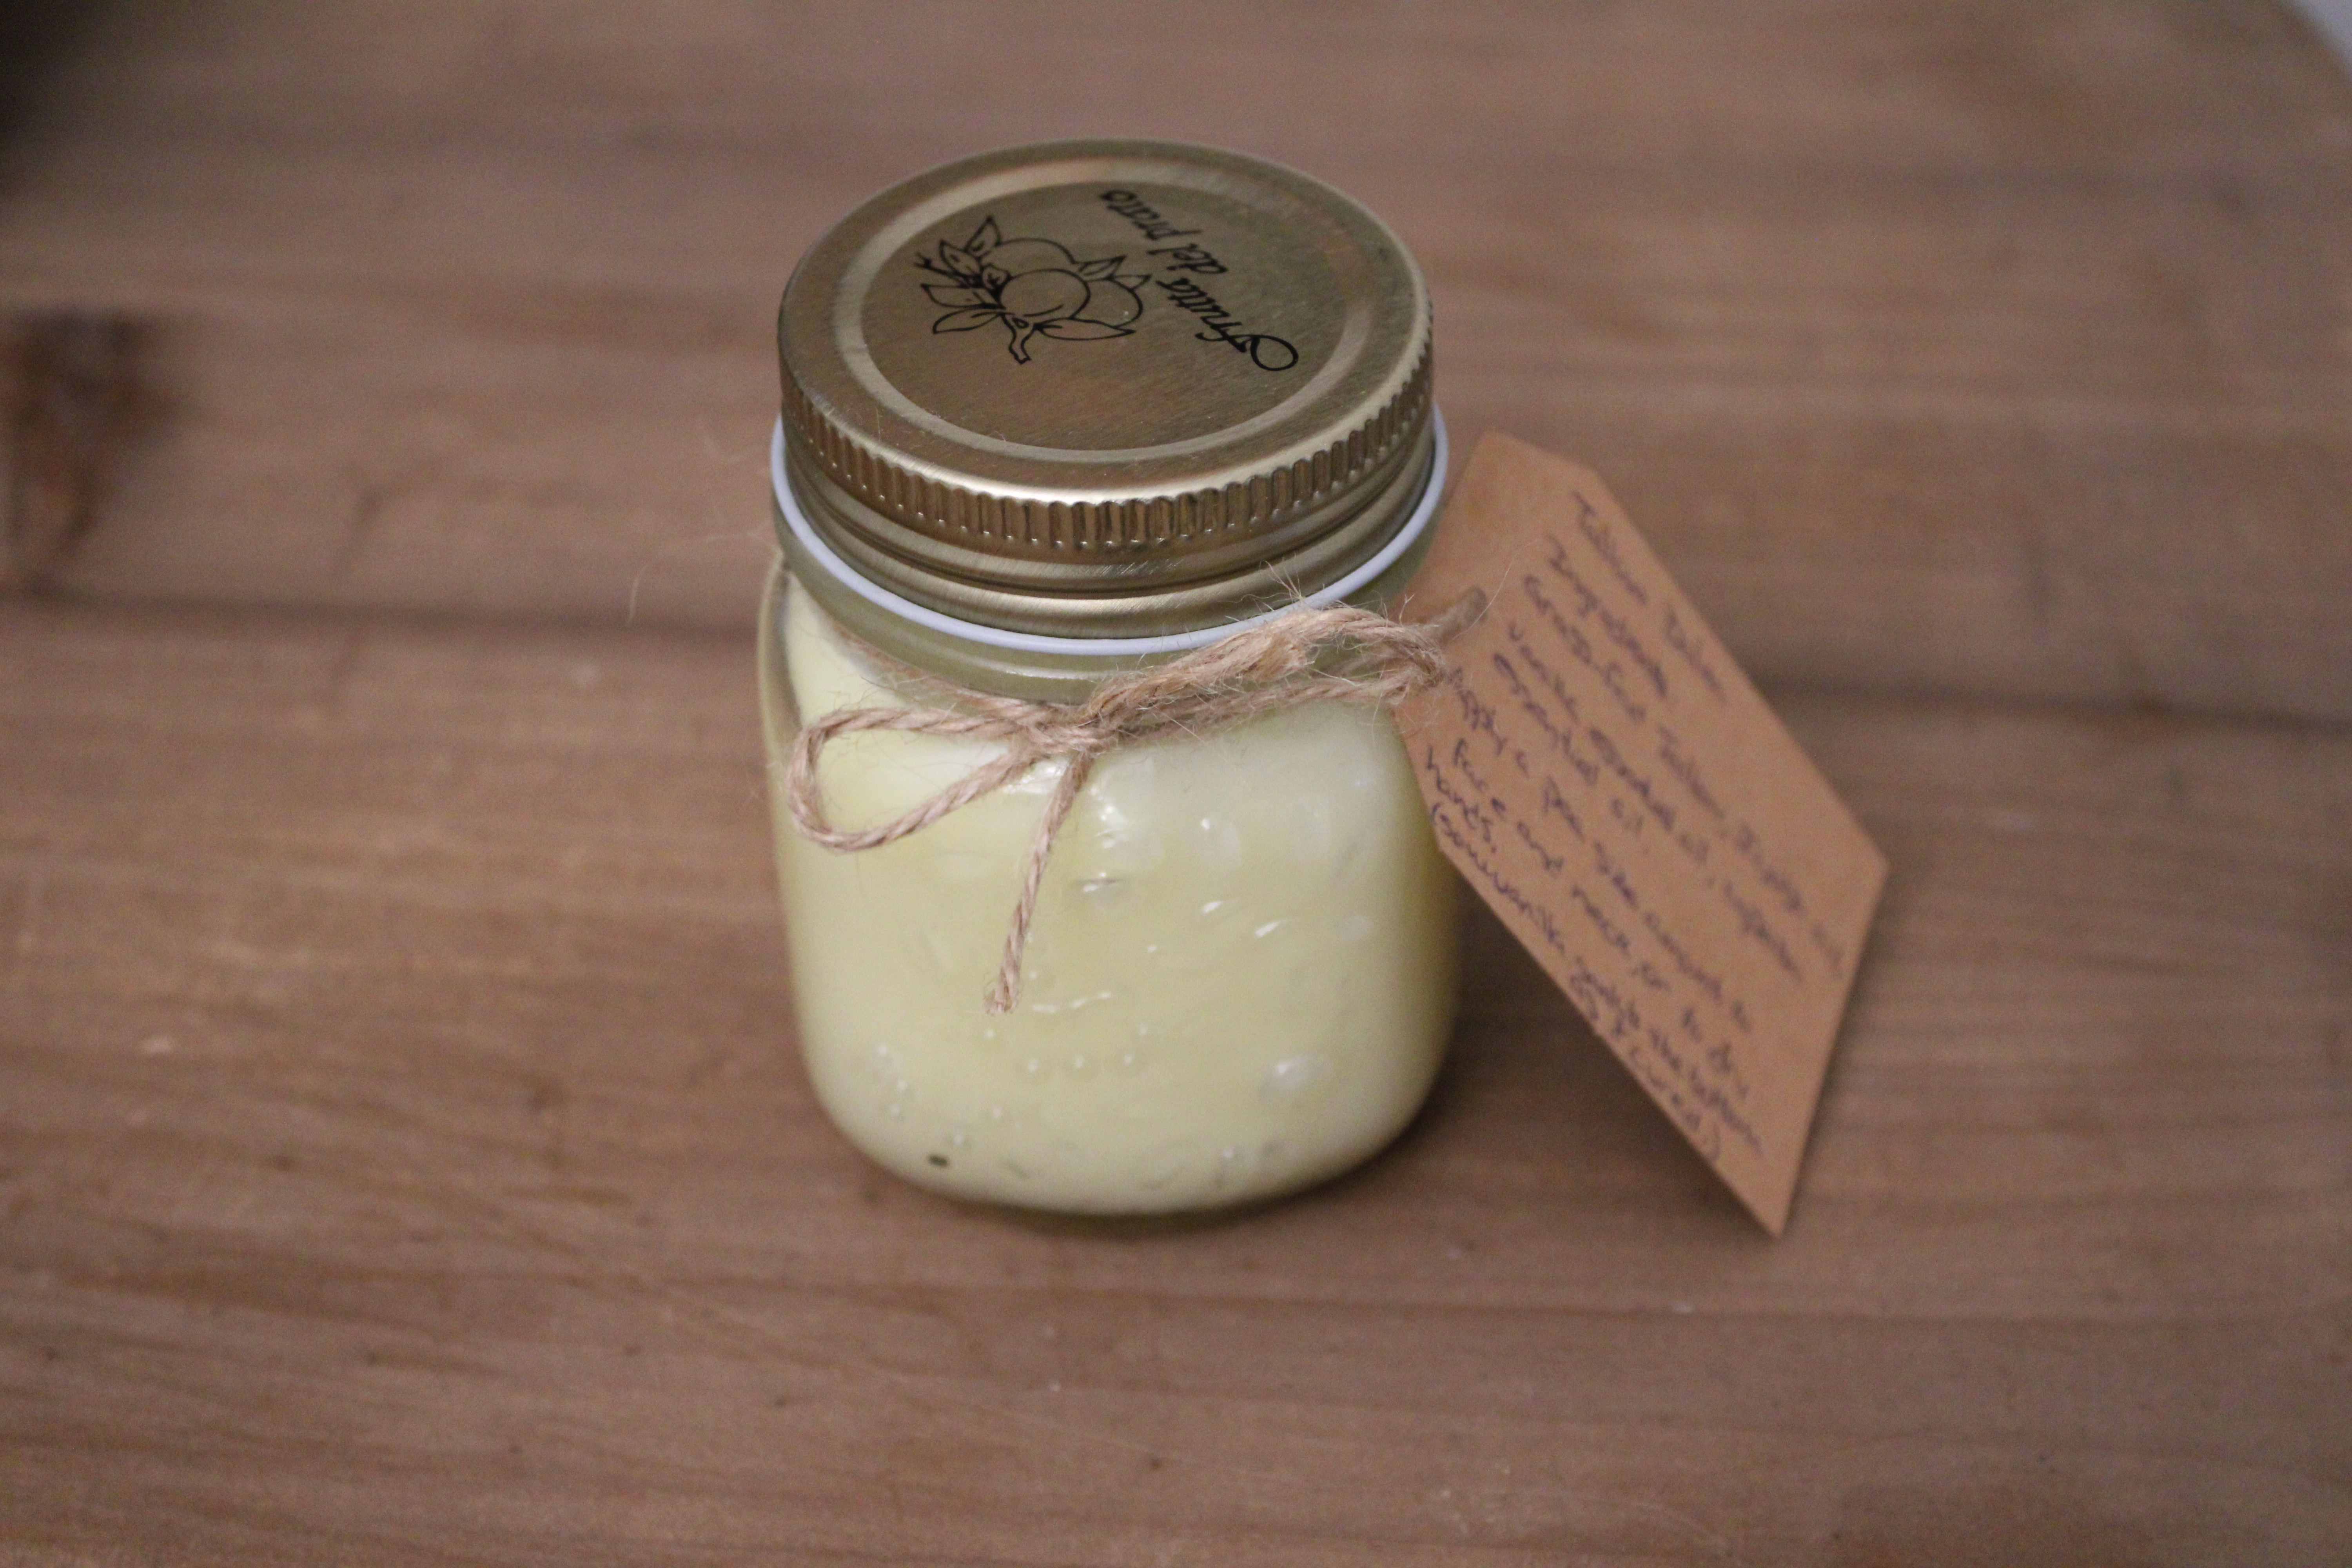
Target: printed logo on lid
(1107, 383)
(1110, 315)
(1037, 287)
(1032, 288)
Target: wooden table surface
(404, 1158)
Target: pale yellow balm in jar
(1051, 414)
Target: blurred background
(1940, 348)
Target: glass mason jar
(1051, 414)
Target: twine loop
(1341, 654)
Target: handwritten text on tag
(1611, 785)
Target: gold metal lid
(1107, 388)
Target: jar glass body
(1240, 981)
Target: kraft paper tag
(1613, 785)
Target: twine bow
(1338, 654)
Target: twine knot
(1338, 654)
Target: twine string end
(1007, 989)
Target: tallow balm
(1052, 417)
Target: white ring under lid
(873, 593)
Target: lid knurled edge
(1263, 502)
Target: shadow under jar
(1051, 414)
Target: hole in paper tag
(1613, 785)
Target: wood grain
(405, 1162)
(403, 1154)
(2004, 349)
(66, 389)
